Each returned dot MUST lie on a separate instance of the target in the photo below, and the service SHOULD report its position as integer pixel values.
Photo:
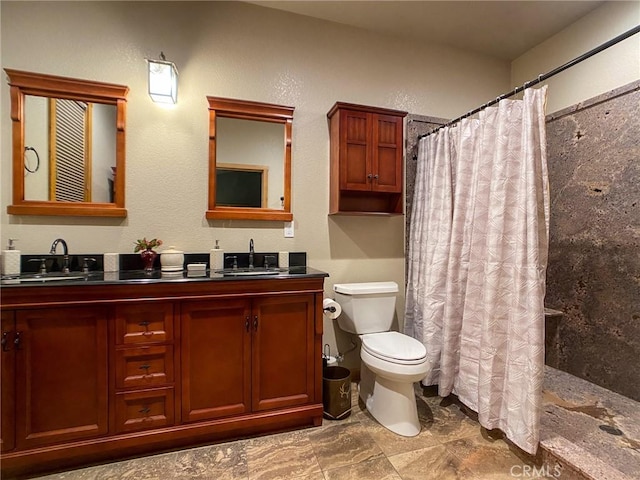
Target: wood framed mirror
(255, 140)
(68, 146)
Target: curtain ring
(26, 149)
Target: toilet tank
(366, 307)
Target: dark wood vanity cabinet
(59, 377)
(91, 373)
(366, 159)
(243, 356)
(216, 360)
(8, 379)
(144, 359)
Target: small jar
(172, 260)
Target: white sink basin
(250, 272)
(41, 278)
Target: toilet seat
(394, 347)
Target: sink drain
(611, 430)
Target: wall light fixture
(163, 80)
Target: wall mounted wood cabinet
(93, 373)
(366, 160)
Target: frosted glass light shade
(163, 81)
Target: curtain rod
(541, 77)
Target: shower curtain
(477, 260)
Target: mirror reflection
(69, 150)
(68, 146)
(249, 160)
(249, 164)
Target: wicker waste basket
(336, 392)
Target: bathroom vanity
(100, 368)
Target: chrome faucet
(65, 251)
(251, 252)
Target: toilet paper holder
(330, 309)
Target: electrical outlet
(288, 229)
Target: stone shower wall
(594, 253)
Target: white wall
(240, 51)
(612, 68)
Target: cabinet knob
(370, 176)
(4, 341)
(376, 176)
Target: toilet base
(391, 403)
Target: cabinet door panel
(144, 323)
(283, 361)
(61, 375)
(355, 139)
(387, 157)
(216, 359)
(8, 384)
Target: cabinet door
(7, 367)
(355, 156)
(216, 359)
(283, 361)
(61, 369)
(387, 154)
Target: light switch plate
(288, 229)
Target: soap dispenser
(11, 259)
(216, 258)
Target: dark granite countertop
(155, 276)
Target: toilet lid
(394, 347)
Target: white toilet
(391, 361)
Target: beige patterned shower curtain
(477, 260)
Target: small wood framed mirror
(249, 160)
(68, 142)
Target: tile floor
(589, 433)
(451, 445)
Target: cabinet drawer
(150, 322)
(144, 366)
(144, 409)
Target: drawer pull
(145, 367)
(145, 410)
(144, 323)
